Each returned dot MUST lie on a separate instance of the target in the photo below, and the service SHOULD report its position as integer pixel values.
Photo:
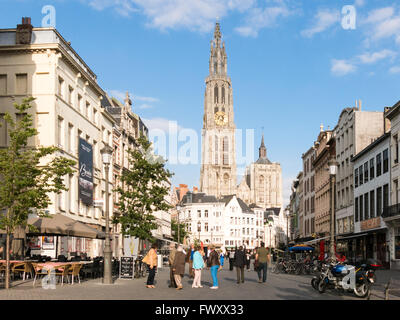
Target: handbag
(256, 265)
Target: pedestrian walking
(221, 258)
(151, 260)
(198, 265)
(231, 258)
(189, 259)
(248, 256)
(214, 265)
(171, 258)
(262, 256)
(240, 262)
(178, 267)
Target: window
(366, 207)
(206, 213)
(3, 131)
(70, 94)
(360, 171)
(3, 84)
(216, 94)
(396, 149)
(199, 213)
(385, 161)
(356, 209)
(379, 201)
(226, 151)
(223, 95)
(198, 226)
(385, 196)
(371, 169)
(95, 116)
(61, 87)
(216, 150)
(372, 204)
(361, 208)
(378, 165)
(60, 132)
(80, 104)
(206, 227)
(21, 83)
(87, 111)
(356, 178)
(70, 137)
(366, 172)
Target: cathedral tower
(218, 167)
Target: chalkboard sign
(126, 267)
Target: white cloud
(160, 124)
(359, 3)
(395, 69)
(379, 15)
(382, 23)
(120, 95)
(324, 19)
(144, 106)
(369, 58)
(259, 18)
(342, 67)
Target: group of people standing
(214, 261)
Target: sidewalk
(383, 277)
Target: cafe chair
(74, 272)
(23, 267)
(38, 271)
(62, 272)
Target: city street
(277, 287)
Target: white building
(227, 222)
(371, 195)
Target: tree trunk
(8, 258)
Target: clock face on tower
(220, 118)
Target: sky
(294, 64)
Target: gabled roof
(242, 204)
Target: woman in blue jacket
(198, 264)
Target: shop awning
(316, 240)
(62, 225)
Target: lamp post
(287, 227)
(178, 207)
(106, 154)
(332, 175)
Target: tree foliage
(142, 191)
(182, 231)
(28, 174)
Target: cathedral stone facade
(218, 168)
(262, 183)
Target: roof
(263, 160)
(199, 197)
(242, 204)
(371, 146)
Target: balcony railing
(391, 211)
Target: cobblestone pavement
(277, 287)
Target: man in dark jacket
(240, 262)
(178, 267)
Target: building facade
(371, 195)
(325, 151)
(355, 130)
(308, 197)
(67, 113)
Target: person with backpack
(262, 257)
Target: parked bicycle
(140, 267)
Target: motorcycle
(345, 277)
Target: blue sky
(292, 64)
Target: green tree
(28, 174)
(182, 231)
(142, 191)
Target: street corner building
(72, 112)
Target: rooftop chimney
(24, 31)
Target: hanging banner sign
(85, 172)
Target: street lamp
(332, 175)
(178, 207)
(287, 227)
(106, 154)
